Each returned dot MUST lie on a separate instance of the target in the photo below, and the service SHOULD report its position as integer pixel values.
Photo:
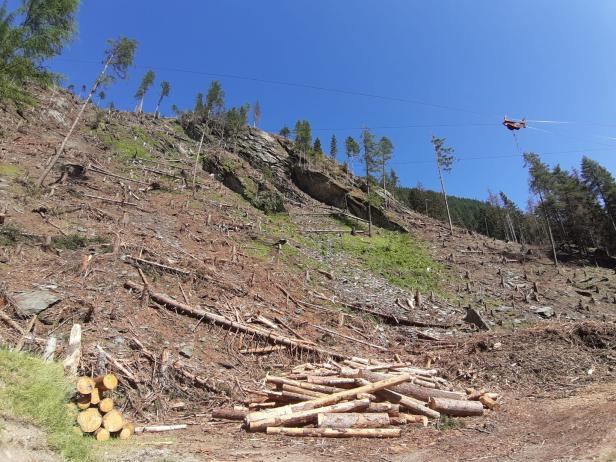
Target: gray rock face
(187, 350)
(32, 303)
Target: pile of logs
(354, 398)
(97, 414)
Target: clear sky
(471, 61)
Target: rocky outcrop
(323, 188)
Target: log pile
(354, 398)
(98, 416)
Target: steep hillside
(265, 240)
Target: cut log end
(89, 420)
(106, 405)
(85, 385)
(102, 434)
(106, 382)
(113, 420)
(127, 431)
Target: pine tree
(215, 99)
(316, 148)
(384, 153)
(303, 138)
(36, 31)
(285, 132)
(119, 58)
(333, 147)
(199, 106)
(370, 164)
(601, 182)
(352, 150)
(256, 114)
(165, 89)
(144, 86)
(444, 161)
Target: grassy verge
(38, 392)
(397, 257)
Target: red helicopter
(514, 124)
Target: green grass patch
(447, 423)
(10, 171)
(38, 392)
(11, 235)
(397, 257)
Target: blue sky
(544, 60)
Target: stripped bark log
(303, 417)
(407, 402)
(416, 391)
(229, 413)
(352, 420)
(336, 433)
(160, 428)
(327, 400)
(456, 407)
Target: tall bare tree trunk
(440, 176)
(60, 150)
(194, 179)
(547, 222)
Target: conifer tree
(34, 32)
(352, 151)
(165, 89)
(333, 147)
(370, 165)
(444, 161)
(601, 183)
(256, 114)
(285, 132)
(199, 106)
(316, 148)
(119, 58)
(384, 153)
(303, 138)
(144, 86)
(215, 99)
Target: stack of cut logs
(354, 398)
(98, 415)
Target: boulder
(34, 302)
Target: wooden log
(336, 432)
(89, 420)
(113, 420)
(106, 382)
(95, 396)
(160, 428)
(390, 408)
(229, 413)
(263, 350)
(303, 391)
(128, 429)
(327, 400)
(353, 420)
(280, 381)
(222, 321)
(416, 406)
(73, 357)
(102, 434)
(404, 419)
(332, 381)
(83, 402)
(409, 389)
(105, 405)
(85, 385)
(456, 408)
(488, 402)
(303, 417)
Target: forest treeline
(577, 207)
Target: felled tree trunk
(113, 421)
(229, 413)
(89, 420)
(353, 420)
(336, 433)
(455, 407)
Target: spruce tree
(165, 89)
(384, 153)
(199, 106)
(333, 147)
(601, 182)
(370, 165)
(215, 99)
(118, 59)
(34, 32)
(144, 86)
(285, 132)
(352, 150)
(316, 148)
